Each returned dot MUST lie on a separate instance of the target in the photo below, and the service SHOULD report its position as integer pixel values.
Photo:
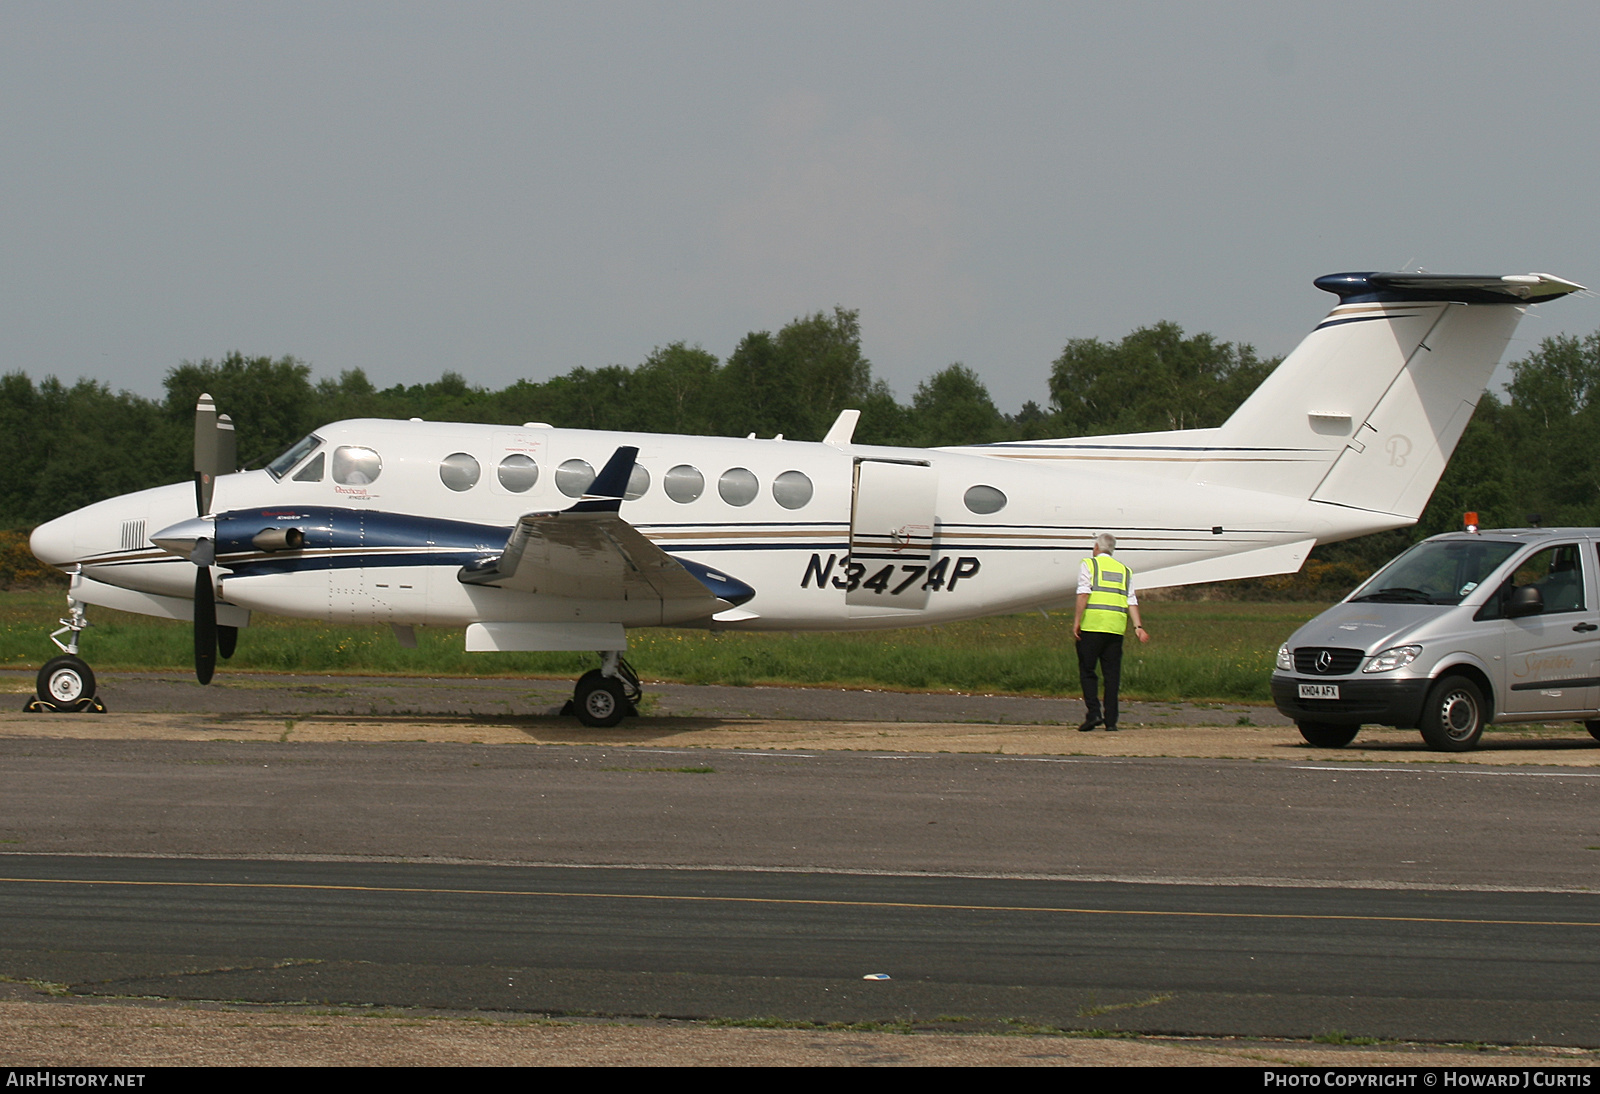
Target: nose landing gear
(606, 695)
(66, 684)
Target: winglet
(605, 494)
(844, 427)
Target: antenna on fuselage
(843, 428)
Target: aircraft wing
(588, 552)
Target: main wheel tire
(1454, 715)
(1327, 735)
(64, 681)
(1593, 728)
(599, 700)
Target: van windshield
(1436, 572)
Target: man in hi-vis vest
(1105, 603)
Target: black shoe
(1111, 729)
(1088, 724)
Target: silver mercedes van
(1460, 631)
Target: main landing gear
(66, 684)
(606, 695)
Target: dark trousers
(1099, 647)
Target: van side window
(1557, 572)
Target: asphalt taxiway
(1285, 891)
(817, 947)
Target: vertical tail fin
(1366, 411)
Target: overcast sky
(516, 190)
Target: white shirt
(1086, 583)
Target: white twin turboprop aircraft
(510, 532)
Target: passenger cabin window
(574, 477)
(296, 452)
(984, 500)
(312, 471)
(792, 490)
(356, 466)
(638, 484)
(684, 484)
(518, 473)
(738, 486)
(459, 471)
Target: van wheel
(1453, 717)
(1327, 735)
(1593, 728)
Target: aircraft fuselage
(776, 515)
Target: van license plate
(1319, 691)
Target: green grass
(1340, 1037)
(1219, 651)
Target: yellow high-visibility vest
(1107, 609)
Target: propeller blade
(207, 453)
(215, 453)
(205, 625)
(227, 446)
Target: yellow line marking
(797, 901)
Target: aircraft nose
(53, 542)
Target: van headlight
(1396, 657)
(1285, 658)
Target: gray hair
(1106, 542)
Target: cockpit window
(312, 471)
(356, 466)
(296, 452)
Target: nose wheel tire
(1454, 715)
(65, 683)
(599, 700)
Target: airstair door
(891, 537)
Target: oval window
(574, 477)
(738, 486)
(684, 484)
(792, 489)
(638, 484)
(984, 499)
(355, 466)
(459, 471)
(517, 473)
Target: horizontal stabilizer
(1529, 288)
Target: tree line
(64, 446)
